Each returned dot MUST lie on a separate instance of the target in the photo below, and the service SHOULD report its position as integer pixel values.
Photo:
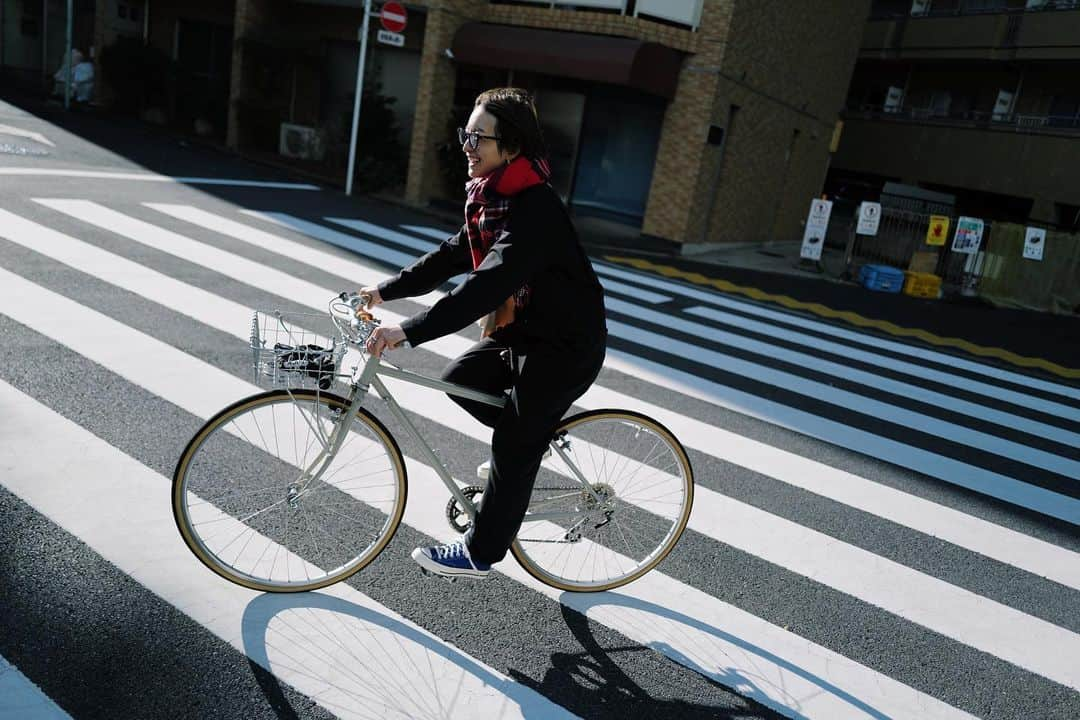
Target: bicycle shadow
(597, 685)
(616, 687)
(359, 661)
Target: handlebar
(353, 319)
(347, 311)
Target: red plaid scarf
(486, 209)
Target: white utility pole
(359, 92)
(70, 63)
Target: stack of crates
(882, 278)
(921, 284)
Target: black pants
(543, 384)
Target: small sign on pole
(817, 222)
(969, 232)
(869, 218)
(1034, 242)
(391, 38)
(938, 230)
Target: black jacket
(538, 247)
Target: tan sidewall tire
(646, 421)
(241, 406)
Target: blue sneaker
(450, 561)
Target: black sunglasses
(473, 138)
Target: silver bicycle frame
(368, 377)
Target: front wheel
(608, 505)
(260, 501)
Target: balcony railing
(678, 12)
(973, 7)
(970, 118)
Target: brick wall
(786, 66)
(435, 94)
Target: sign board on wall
(969, 232)
(1034, 242)
(817, 222)
(390, 38)
(938, 230)
(869, 218)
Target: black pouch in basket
(317, 362)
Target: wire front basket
(288, 351)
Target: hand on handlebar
(384, 338)
(370, 296)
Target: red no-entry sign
(393, 17)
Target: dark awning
(647, 66)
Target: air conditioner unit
(298, 141)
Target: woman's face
(486, 157)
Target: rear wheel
(247, 504)
(609, 505)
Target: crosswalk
(880, 530)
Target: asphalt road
(881, 529)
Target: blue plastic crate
(882, 278)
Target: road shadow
(598, 683)
(358, 661)
(613, 687)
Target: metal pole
(45, 75)
(359, 92)
(70, 63)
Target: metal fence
(904, 240)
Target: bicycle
(297, 488)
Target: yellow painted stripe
(850, 317)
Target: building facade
(692, 122)
(979, 101)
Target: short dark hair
(518, 125)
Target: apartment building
(692, 122)
(977, 100)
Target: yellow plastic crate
(920, 284)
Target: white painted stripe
(392, 16)
(909, 390)
(613, 286)
(915, 392)
(824, 392)
(149, 177)
(977, 535)
(430, 232)
(920, 371)
(366, 248)
(780, 669)
(912, 457)
(361, 273)
(29, 134)
(424, 246)
(912, 595)
(220, 261)
(921, 353)
(937, 605)
(386, 234)
(1033, 555)
(1008, 546)
(406, 671)
(21, 699)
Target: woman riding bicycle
(542, 311)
